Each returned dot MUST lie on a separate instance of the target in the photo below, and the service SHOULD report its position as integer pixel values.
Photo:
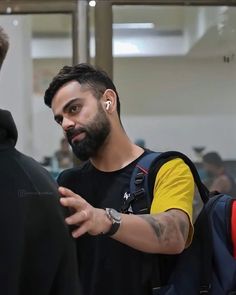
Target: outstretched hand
(88, 219)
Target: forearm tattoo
(157, 226)
(165, 231)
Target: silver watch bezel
(113, 215)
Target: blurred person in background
(64, 155)
(37, 254)
(218, 177)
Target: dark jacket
(37, 253)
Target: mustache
(71, 133)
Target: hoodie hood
(8, 130)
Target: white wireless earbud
(107, 103)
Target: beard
(96, 132)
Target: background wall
(172, 103)
(176, 86)
(183, 96)
(176, 102)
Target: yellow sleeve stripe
(174, 189)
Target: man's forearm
(164, 233)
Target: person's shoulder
(176, 163)
(81, 168)
(75, 172)
(224, 177)
(171, 166)
(27, 163)
(171, 163)
(223, 180)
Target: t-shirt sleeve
(174, 189)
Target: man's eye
(74, 109)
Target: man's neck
(116, 153)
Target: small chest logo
(126, 198)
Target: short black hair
(213, 158)
(85, 74)
(4, 45)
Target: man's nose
(67, 124)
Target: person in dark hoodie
(37, 254)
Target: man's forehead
(70, 86)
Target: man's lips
(77, 137)
(74, 134)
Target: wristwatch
(115, 218)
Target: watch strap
(114, 226)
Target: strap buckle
(139, 178)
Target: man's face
(210, 169)
(82, 118)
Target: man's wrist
(107, 223)
(114, 218)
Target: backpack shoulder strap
(140, 173)
(139, 200)
(140, 197)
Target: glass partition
(175, 70)
(40, 44)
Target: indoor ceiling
(211, 30)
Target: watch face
(115, 215)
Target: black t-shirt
(107, 266)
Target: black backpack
(208, 265)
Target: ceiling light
(124, 26)
(8, 10)
(92, 3)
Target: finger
(71, 202)
(80, 230)
(77, 218)
(85, 213)
(67, 193)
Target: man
(37, 255)
(221, 180)
(112, 247)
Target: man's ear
(109, 100)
